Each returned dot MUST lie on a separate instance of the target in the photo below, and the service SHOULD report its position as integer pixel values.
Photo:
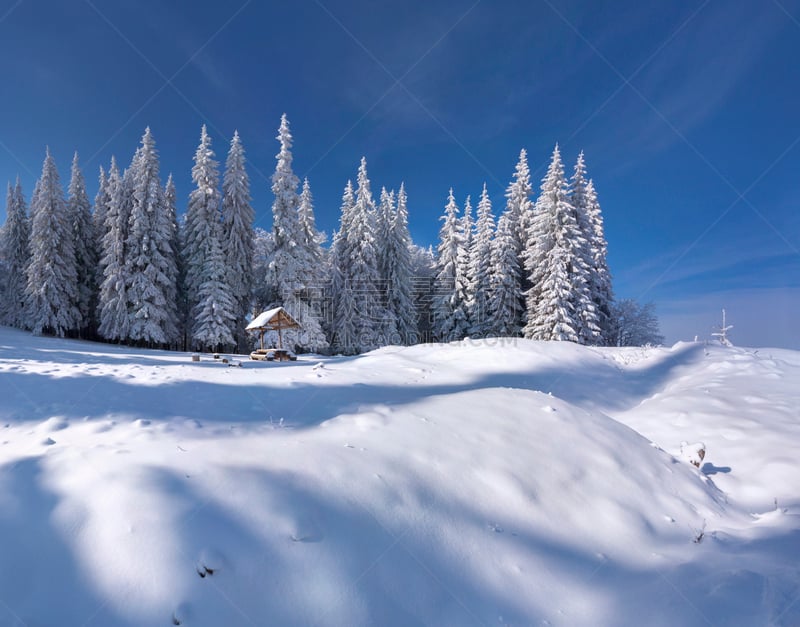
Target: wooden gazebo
(276, 319)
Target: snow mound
(480, 482)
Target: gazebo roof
(272, 320)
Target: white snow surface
(497, 482)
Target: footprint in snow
(181, 614)
(48, 442)
(209, 562)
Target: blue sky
(687, 112)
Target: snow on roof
(272, 318)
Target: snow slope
(477, 483)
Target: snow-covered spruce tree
(149, 263)
(52, 286)
(400, 306)
(216, 309)
(176, 293)
(342, 323)
(86, 254)
(309, 308)
(312, 238)
(519, 207)
(480, 261)
(423, 274)
(449, 306)
(505, 297)
(383, 224)
(285, 267)
(15, 250)
(552, 260)
(112, 305)
(101, 201)
(601, 287)
(203, 229)
(584, 300)
(464, 274)
(210, 297)
(516, 222)
(361, 270)
(238, 236)
(293, 268)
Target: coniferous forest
(126, 269)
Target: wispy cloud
(694, 78)
(738, 255)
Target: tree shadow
(289, 549)
(710, 469)
(42, 582)
(31, 396)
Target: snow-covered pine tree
(309, 307)
(285, 267)
(112, 300)
(362, 267)
(294, 268)
(519, 206)
(505, 297)
(312, 238)
(342, 324)
(480, 260)
(517, 218)
(400, 306)
(464, 270)
(83, 235)
(601, 287)
(52, 286)
(423, 274)
(383, 225)
(176, 290)
(552, 260)
(16, 253)
(584, 300)
(203, 228)
(216, 308)
(149, 264)
(101, 201)
(238, 236)
(448, 307)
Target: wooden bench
(273, 354)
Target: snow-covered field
(479, 483)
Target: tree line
(126, 269)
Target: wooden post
(280, 337)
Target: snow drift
(488, 483)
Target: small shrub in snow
(693, 453)
(699, 534)
(722, 333)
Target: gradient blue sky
(688, 112)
